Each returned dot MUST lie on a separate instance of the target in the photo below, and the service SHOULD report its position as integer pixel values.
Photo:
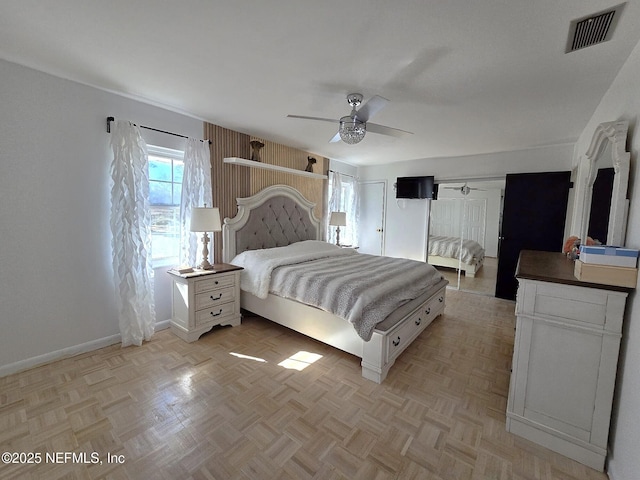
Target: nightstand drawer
(215, 313)
(218, 281)
(214, 297)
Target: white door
(445, 217)
(475, 219)
(372, 210)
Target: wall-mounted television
(415, 187)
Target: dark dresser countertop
(554, 267)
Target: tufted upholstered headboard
(274, 217)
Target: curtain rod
(345, 174)
(111, 119)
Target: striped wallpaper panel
(234, 181)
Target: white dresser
(203, 300)
(565, 358)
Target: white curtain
(196, 192)
(131, 234)
(343, 197)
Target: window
(166, 167)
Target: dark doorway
(535, 210)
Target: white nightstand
(204, 299)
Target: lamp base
(205, 265)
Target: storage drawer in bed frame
(383, 349)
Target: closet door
(534, 214)
(372, 217)
(447, 219)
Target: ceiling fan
(464, 189)
(353, 127)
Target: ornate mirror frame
(616, 134)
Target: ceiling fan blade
(336, 138)
(371, 107)
(331, 120)
(394, 132)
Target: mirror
(601, 204)
(465, 220)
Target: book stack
(607, 265)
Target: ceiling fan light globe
(351, 130)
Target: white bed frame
(470, 269)
(378, 354)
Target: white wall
(342, 167)
(405, 227)
(622, 102)
(56, 288)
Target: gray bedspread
(363, 289)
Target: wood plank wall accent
(234, 181)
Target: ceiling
(465, 77)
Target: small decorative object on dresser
(203, 299)
(256, 145)
(311, 162)
(608, 255)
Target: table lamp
(338, 219)
(204, 219)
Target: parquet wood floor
(483, 283)
(222, 408)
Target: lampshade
(204, 219)
(338, 219)
(351, 130)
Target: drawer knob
(217, 298)
(396, 342)
(215, 314)
(216, 282)
(418, 321)
(427, 311)
(441, 299)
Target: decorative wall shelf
(267, 166)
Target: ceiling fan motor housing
(354, 99)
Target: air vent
(597, 28)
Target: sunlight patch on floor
(247, 357)
(186, 383)
(300, 360)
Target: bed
(279, 217)
(449, 251)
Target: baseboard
(68, 352)
(59, 355)
(164, 324)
